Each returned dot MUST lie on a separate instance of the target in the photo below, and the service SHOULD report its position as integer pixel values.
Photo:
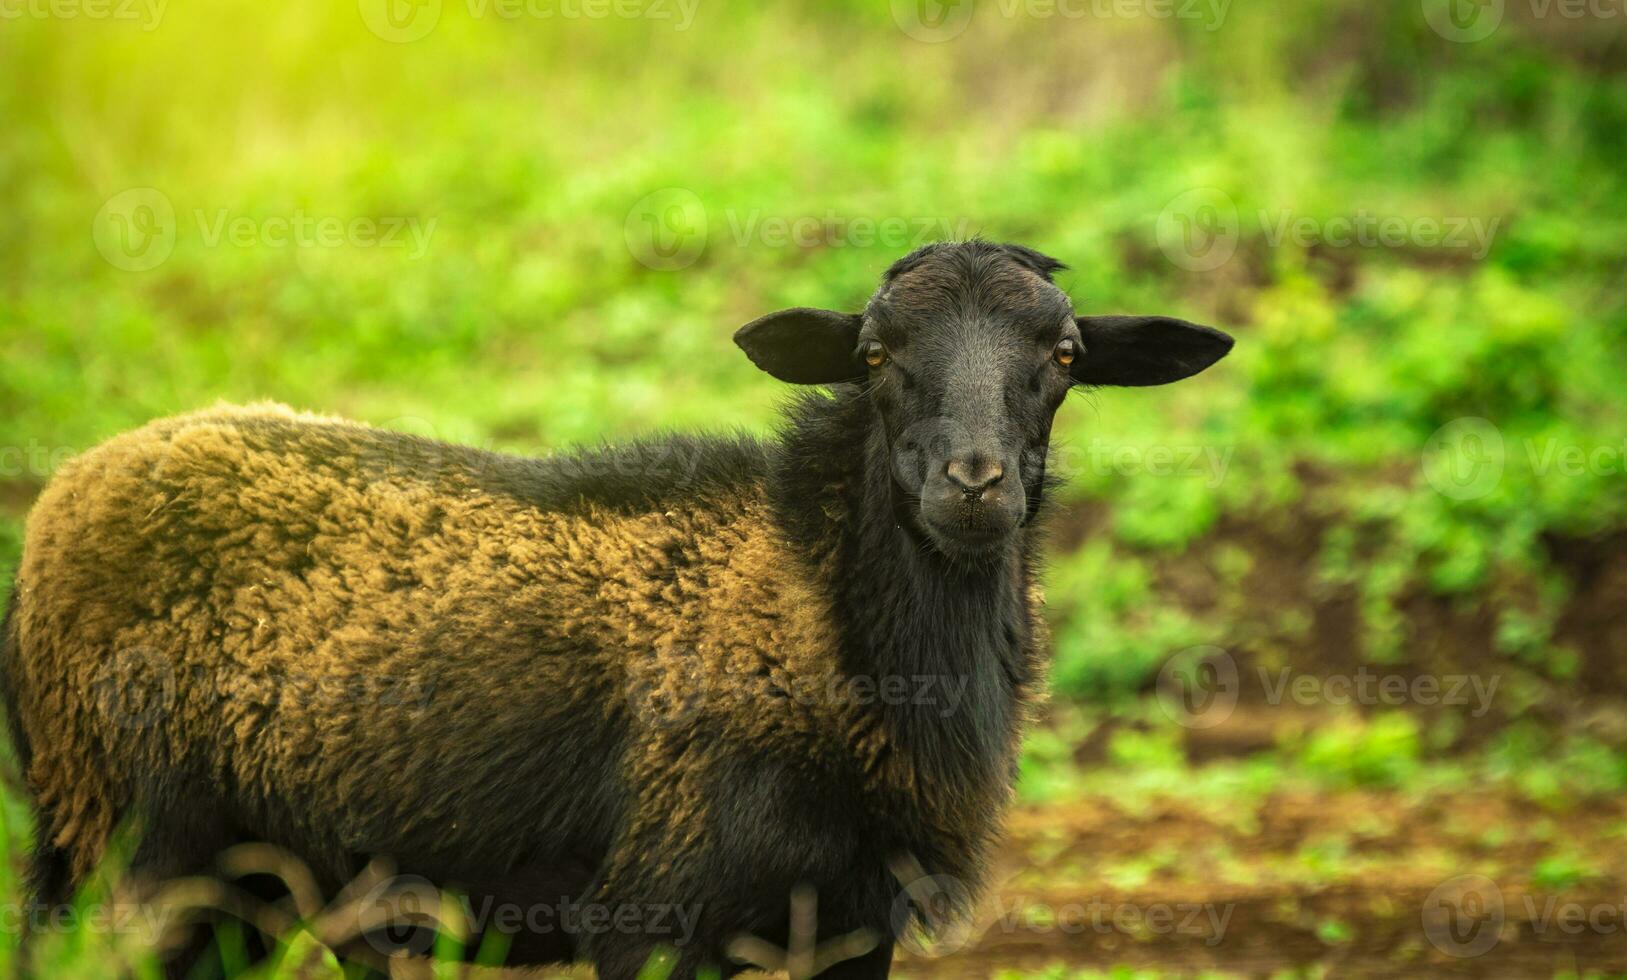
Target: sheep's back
(367, 641)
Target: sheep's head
(966, 351)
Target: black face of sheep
(967, 351)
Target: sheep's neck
(947, 641)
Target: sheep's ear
(1145, 350)
(804, 346)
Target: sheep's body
(674, 681)
(616, 677)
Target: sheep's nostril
(972, 477)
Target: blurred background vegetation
(529, 225)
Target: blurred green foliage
(520, 151)
(537, 309)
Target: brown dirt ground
(1355, 883)
(1346, 884)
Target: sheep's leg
(50, 870)
(698, 930)
(629, 962)
(652, 927)
(50, 888)
(523, 912)
(695, 846)
(182, 840)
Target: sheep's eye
(1065, 352)
(875, 354)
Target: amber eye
(1065, 352)
(875, 354)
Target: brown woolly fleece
(330, 622)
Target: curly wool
(635, 674)
(266, 552)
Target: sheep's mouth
(969, 530)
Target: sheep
(692, 673)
